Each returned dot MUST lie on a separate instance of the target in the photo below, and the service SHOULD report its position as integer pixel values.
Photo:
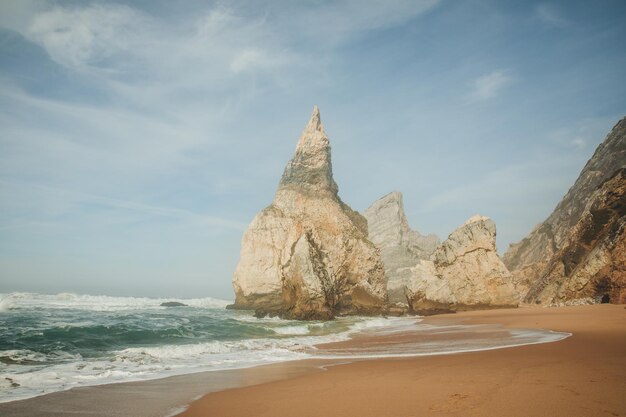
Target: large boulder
(307, 255)
(465, 272)
(401, 248)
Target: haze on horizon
(138, 139)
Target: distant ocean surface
(51, 343)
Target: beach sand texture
(583, 375)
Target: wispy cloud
(489, 85)
(116, 41)
(119, 43)
(344, 20)
(581, 135)
(579, 143)
(65, 202)
(549, 15)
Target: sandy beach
(583, 375)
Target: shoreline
(394, 334)
(175, 393)
(582, 375)
(166, 396)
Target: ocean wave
(293, 330)
(30, 373)
(20, 300)
(56, 342)
(29, 357)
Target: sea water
(51, 343)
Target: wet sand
(583, 375)
(153, 398)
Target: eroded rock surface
(307, 255)
(591, 264)
(465, 272)
(536, 257)
(401, 248)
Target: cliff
(559, 261)
(591, 264)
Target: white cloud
(489, 85)
(580, 135)
(224, 42)
(17, 14)
(340, 21)
(81, 38)
(251, 59)
(125, 43)
(579, 143)
(61, 201)
(549, 15)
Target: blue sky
(138, 139)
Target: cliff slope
(557, 255)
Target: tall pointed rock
(307, 254)
(310, 170)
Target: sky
(139, 139)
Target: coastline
(159, 397)
(288, 388)
(582, 375)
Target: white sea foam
(513, 338)
(26, 373)
(142, 363)
(31, 373)
(292, 330)
(19, 300)
(385, 325)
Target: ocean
(51, 343)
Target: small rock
(173, 304)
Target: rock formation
(307, 255)
(591, 264)
(465, 272)
(578, 251)
(400, 247)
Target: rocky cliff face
(591, 263)
(465, 272)
(307, 255)
(401, 248)
(558, 255)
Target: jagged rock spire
(400, 247)
(306, 255)
(315, 123)
(310, 169)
